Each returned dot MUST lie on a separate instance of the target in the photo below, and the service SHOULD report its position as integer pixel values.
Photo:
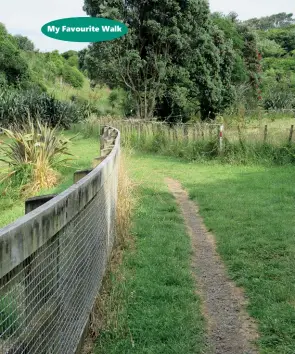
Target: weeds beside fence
(204, 141)
(53, 261)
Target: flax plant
(37, 149)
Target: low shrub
(72, 76)
(15, 105)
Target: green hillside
(50, 85)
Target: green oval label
(84, 29)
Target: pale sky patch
(26, 17)
(253, 8)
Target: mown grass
(11, 202)
(158, 310)
(251, 212)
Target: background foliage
(179, 62)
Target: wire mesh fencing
(52, 264)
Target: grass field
(251, 212)
(250, 209)
(158, 310)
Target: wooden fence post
(265, 133)
(154, 129)
(194, 132)
(78, 175)
(169, 133)
(210, 131)
(185, 132)
(202, 132)
(221, 131)
(291, 134)
(139, 132)
(160, 131)
(175, 135)
(35, 202)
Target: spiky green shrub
(33, 152)
(73, 76)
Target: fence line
(138, 132)
(53, 259)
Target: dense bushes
(17, 105)
(72, 76)
(21, 64)
(14, 68)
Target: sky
(26, 17)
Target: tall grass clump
(33, 151)
(111, 300)
(125, 202)
(90, 128)
(242, 143)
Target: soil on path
(230, 330)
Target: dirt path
(230, 329)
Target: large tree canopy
(174, 61)
(24, 43)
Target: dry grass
(125, 203)
(44, 177)
(108, 305)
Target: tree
(13, 66)
(72, 76)
(284, 37)
(172, 61)
(230, 27)
(252, 59)
(81, 59)
(72, 58)
(270, 48)
(3, 31)
(24, 43)
(69, 54)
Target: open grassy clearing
(11, 203)
(251, 212)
